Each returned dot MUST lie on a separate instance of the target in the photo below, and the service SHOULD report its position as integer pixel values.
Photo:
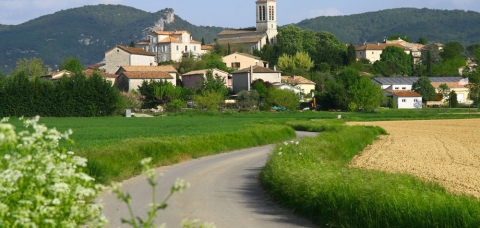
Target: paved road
(224, 190)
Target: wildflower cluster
(43, 185)
(286, 144)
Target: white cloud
(324, 12)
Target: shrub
(43, 185)
(176, 105)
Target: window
(264, 13)
(186, 48)
(404, 88)
(396, 88)
(235, 65)
(178, 47)
(404, 100)
(194, 48)
(415, 100)
(373, 52)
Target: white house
(242, 60)
(372, 52)
(127, 56)
(405, 99)
(172, 45)
(242, 79)
(255, 38)
(305, 85)
(166, 68)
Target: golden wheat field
(445, 151)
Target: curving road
(224, 190)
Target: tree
(247, 99)
(422, 40)
(261, 88)
(424, 87)
(71, 64)
(397, 36)
(132, 43)
(453, 100)
(351, 55)
(452, 50)
(471, 51)
(286, 63)
(214, 83)
(203, 41)
(208, 99)
(329, 49)
(444, 90)
(394, 61)
(366, 94)
(303, 61)
(283, 98)
(229, 49)
(33, 67)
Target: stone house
(305, 85)
(172, 45)
(242, 60)
(193, 78)
(127, 56)
(167, 68)
(131, 80)
(255, 38)
(242, 79)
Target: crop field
(444, 151)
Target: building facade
(171, 45)
(127, 56)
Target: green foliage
(448, 67)
(424, 87)
(352, 107)
(132, 44)
(43, 185)
(351, 55)
(438, 25)
(214, 83)
(422, 40)
(398, 36)
(176, 105)
(248, 99)
(313, 178)
(474, 85)
(471, 50)
(261, 89)
(452, 50)
(71, 64)
(33, 67)
(283, 98)
(444, 90)
(128, 100)
(452, 100)
(161, 93)
(74, 96)
(366, 94)
(209, 99)
(394, 62)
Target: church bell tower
(267, 17)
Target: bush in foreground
(43, 185)
(314, 179)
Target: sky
(227, 13)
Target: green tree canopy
(351, 55)
(452, 50)
(214, 83)
(283, 98)
(424, 87)
(394, 62)
(33, 67)
(366, 94)
(422, 40)
(396, 36)
(71, 64)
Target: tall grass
(121, 161)
(314, 179)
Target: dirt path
(446, 151)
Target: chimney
(249, 79)
(274, 68)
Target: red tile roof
(131, 50)
(378, 46)
(404, 93)
(166, 68)
(296, 80)
(170, 39)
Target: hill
(436, 25)
(86, 33)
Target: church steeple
(267, 17)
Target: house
(457, 84)
(305, 85)
(405, 99)
(255, 38)
(242, 60)
(172, 45)
(242, 79)
(166, 68)
(372, 52)
(131, 80)
(193, 78)
(127, 56)
(109, 77)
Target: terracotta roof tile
(296, 80)
(404, 93)
(450, 85)
(207, 47)
(204, 71)
(254, 39)
(147, 75)
(131, 50)
(379, 46)
(170, 39)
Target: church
(255, 38)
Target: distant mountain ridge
(85, 33)
(436, 25)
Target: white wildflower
(279, 153)
(296, 143)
